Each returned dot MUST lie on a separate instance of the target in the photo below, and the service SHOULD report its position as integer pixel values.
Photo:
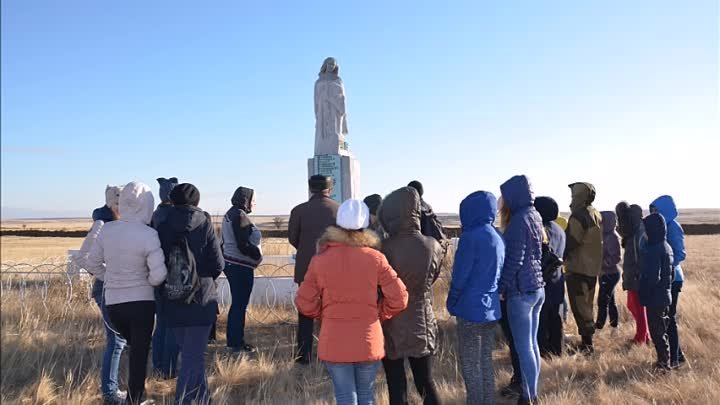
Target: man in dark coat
(308, 222)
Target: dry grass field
(51, 355)
(268, 222)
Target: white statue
(330, 114)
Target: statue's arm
(338, 98)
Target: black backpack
(551, 264)
(182, 281)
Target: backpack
(182, 281)
(551, 264)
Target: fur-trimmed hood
(336, 235)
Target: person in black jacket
(191, 322)
(243, 254)
(656, 276)
(430, 225)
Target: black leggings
(422, 374)
(134, 321)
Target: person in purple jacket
(521, 282)
(610, 272)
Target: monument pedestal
(344, 170)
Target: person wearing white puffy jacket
(127, 255)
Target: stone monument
(332, 155)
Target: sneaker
(116, 400)
(514, 389)
(661, 368)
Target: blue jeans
(524, 316)
(164, 348)
(241, 279)
(192, 381)
(114, 345)
(353, 382)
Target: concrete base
(345, 171)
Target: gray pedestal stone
(344, 170)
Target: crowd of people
(365, 270)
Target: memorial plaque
(330, 165)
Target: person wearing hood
(243, 254)
(308, 222)
(341, 289)
(128, 257)
(162, 210)
(665, 206)
(631, 224)
(191, 322)
(473, 297)
(550, 330)
(373, 203)
(583, 260)
(164, 348)
(114, 343)
(612, 253)
(522, 280)
(109, 211)
(622, 210)
(413, 333)
(430, 225)
(610, 272)
(656, 277)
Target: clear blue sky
(462, 96)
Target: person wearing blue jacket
(550, 330)
(665, 206)
(473, 297)
(165, 350)
(521, 280)
(656, 275)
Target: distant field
(271, 222)
(54, 249)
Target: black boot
(586, 347)
(524, 401)
(512, 390)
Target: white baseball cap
(353, 215)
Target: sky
(460, 96)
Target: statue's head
(330, 66)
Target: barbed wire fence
(60, 281)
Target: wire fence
(61, 282)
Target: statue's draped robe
(330, 118)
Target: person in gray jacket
(243, 254)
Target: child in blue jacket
(473, 297)
(656, 276)
(665, 206)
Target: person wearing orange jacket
(351, 288)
